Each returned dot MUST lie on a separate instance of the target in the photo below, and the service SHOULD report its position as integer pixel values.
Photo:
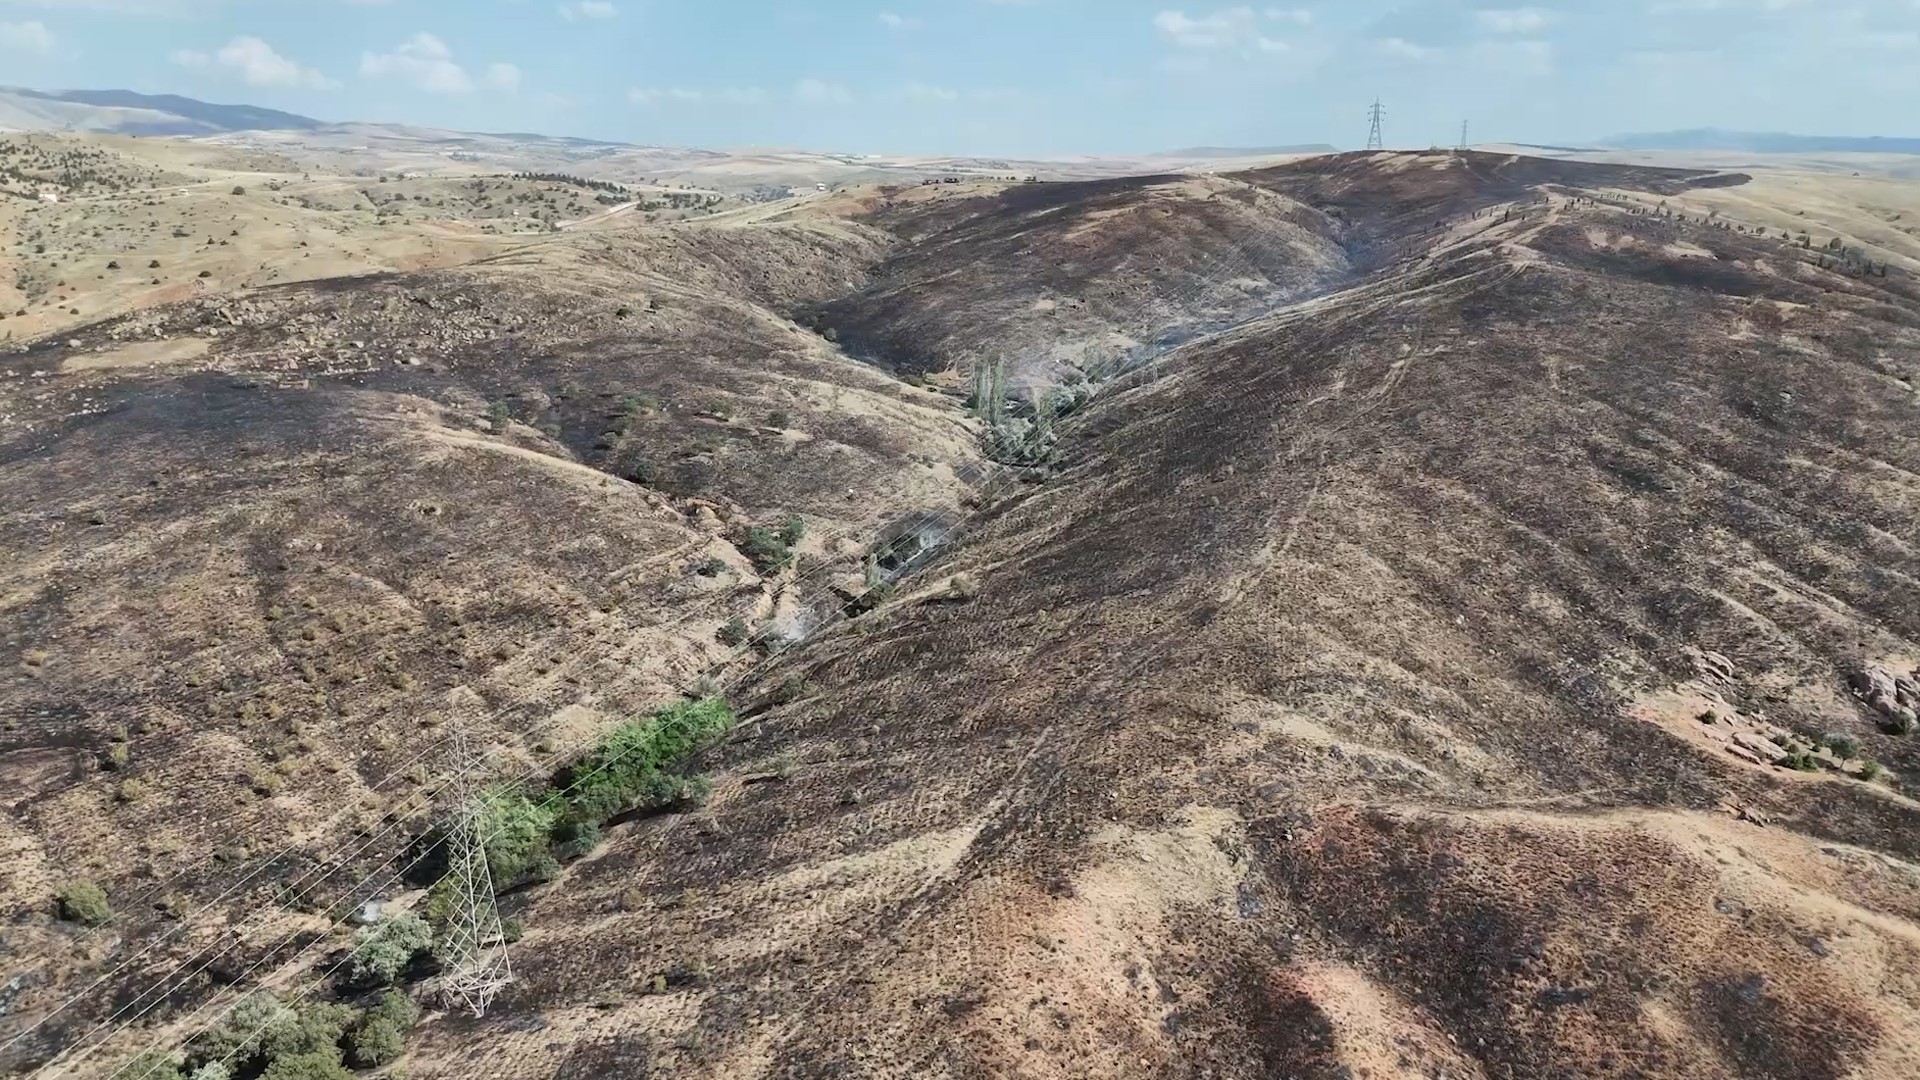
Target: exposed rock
(1713, 665)
(1872, 683)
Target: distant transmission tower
(1463, 134)
(473, 949)
(1375, 115)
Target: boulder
(1877, 688)
(1906, 691)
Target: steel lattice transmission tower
(472, 946)
(1375, 115)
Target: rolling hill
(1381, 614)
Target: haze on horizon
(1017, 77)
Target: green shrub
(577, 839)
(238, 190)
(383, 952)
(517, 830)
(712, 566)
(734, 632)
(212, 1070)
(1844, 747)
(766, 550)
(377, 1043)
(383, 1032)
(793, 531)
(316, 1029)
(239, 1036)
(313, 1065)
(117, 757)
(150, 1065)
(85, 903)
(779, 419)
(626, 769)
(1870, 771)
(545, 867)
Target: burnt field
(1442, 662)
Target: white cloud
(588, 9)
(257, 63)
(1526, 20)
(1237, 28)
(919, 91)
(423, 60)
(1402, 49)
(731, 95)
(898, 22)
(503, 76)
(1215, 31)
(819, 92)
(1665, 6)
(31, 36)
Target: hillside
(1393, 615)
(1762, 142)
(123, 112)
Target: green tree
(316, 1029)
(238, 1037)
(150, 1065)
(383, 1034)
(383, 952)
(314, 1065)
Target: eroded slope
(1357, 704)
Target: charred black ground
(1381, 683)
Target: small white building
(49, 196)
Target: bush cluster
(771, 550)
(85, 903)
(628, 769)
(383, 952)
(265, 1037)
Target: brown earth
(1326, 713)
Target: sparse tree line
(363, 1019)
(568, 178)
(1019, 431)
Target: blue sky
(1003, 76)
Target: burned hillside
(1464, 632)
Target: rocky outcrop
(1895, 697)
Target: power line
(489, 967)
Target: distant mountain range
(1762, 142)
(1250, 151)
(123, 112)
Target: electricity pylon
(472, 946)
(1374, 115)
